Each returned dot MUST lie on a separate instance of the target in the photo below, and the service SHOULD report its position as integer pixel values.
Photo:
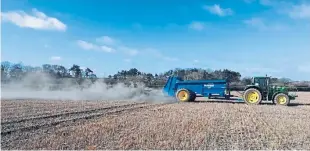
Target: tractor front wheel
(184, 95)
(281, 99)
(252, 96)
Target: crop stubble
(177, 126)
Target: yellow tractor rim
(252, 97)
(281, 99)
(182, 95)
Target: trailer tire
(252, 96)
(183, 95)
(281, 99)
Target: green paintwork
(264, 85)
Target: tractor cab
(261, 82)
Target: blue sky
(254, 37)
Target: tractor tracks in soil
(43, 115)
(35, 123)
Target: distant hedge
(304, 89)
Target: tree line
(17, 71)
(12, 71)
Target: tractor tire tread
(249, 90)
(286, 96)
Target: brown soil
(197, 125)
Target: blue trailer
(185, 91)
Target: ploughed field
(50, 124)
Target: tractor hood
(280, 88)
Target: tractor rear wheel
(281, 99)
(184, 95)
(252, 96)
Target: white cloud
(106, 49)
(107, 44)
(255, 22)
(90, 46)
(260, 24)
(196, 25)
(196, 61)
(86, 45)
(289, 8)
(38, 20)
(133, 52)
(158, 54)
(55, 58)
(300, 11)
(129, 51)
(106, 40)
(217, 10)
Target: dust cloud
(38, 86)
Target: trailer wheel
(281, 99)
(252, 96)
(183, 95)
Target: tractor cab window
(256, 81)
(260, 81)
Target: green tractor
(262, 90)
